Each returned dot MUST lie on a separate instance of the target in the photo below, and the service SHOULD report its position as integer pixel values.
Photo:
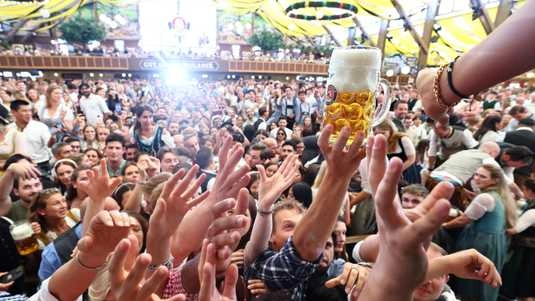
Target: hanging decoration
(322, 10)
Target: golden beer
(351, 87)
(24, 240)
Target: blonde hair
(502, 188)
(393, 136)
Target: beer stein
(25, 241)
(355, 95)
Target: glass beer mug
(353, 87)
(25, 241)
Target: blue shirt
(50, 260)
(283, 270)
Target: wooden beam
(432, 11)
(359, 25)
(331, 35)
(504, 11)
(10, 37)
(413, 32)
(484, 18)
(381, 38)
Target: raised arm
(192, 230)
(319, 220)
(178, 197)
(269, 191)
(401, 263)
(507, 52)
(105, 230)
(22, 168)
(98, 187)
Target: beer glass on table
(25, 241)
(355, 96)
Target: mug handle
(382, 108)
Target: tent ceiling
(458, 31)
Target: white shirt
(94, 108)
(273, 133)
(43, 294)
(35, 137)
(526, 220)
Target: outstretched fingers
(423, 229)
(387, 208)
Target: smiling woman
(50, 212)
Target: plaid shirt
(283, 270)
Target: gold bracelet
(98, 268)
(436, 88)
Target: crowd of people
(170, 158)
(235, 190)
(282, 55)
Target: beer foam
(22, 231)
(353, 70)
(350, 57)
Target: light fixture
(101, 75)
(389, 73)
(233, 76)
(91, 74)
(287, 78)
(228, 76)
(325, 10)
(123, 74)
(129, 74)
(260, 77)
(405, 70)
(204, 75)
(252, 77)
(56, 74)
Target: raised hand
(99, 184)
(229, 180)
(149, 165)
(24, 169)
(344, 161)
(226, 231)
(271, 188)
(129, 284)
(402, 263)
(207, 268)
(106, 229)
(177, 198)
(424, 85)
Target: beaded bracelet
(436, 89)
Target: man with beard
(93, 106)
(22, 178)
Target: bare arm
(134, 201)
(103, 233)
(6, 185)
(507, 52)
(22, 168)
(317, 224)
(270, 190)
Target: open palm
(271, 188)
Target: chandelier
(320, 10)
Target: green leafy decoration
(81, 30)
